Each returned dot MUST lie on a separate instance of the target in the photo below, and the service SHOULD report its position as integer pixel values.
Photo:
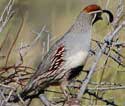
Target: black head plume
(110, 15)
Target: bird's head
(96, 12)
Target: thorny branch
(101, 98)
(112, 56)
(20, 73)
(108, 40)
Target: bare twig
(6, 15)
(30, 46)
(108, 39)
(101, 98)
(108, 88)
(17, 35)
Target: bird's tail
(16, 98)
(27, 92)
(22, 95)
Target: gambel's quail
(66, 58)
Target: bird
(67, 56)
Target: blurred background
(57, 16)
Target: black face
(99, 17)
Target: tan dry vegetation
(58, 16)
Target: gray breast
(77, 46)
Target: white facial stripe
(98, 11)
(94, 17)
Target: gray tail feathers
(25, 93)
(22, 95)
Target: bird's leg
(64, 88)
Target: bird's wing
(49, 65)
